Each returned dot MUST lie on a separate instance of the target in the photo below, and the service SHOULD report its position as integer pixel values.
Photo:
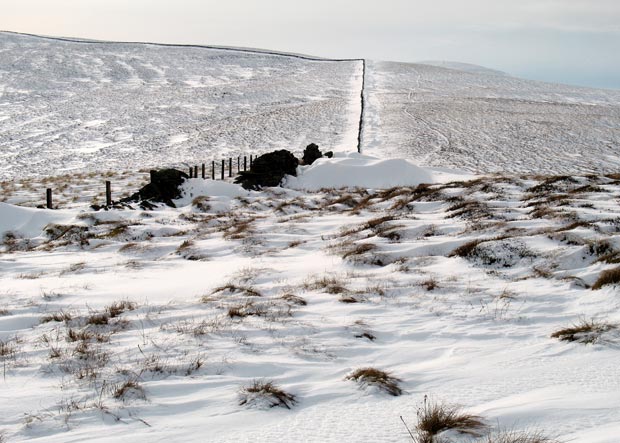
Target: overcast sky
(567, 41)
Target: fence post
(223, 168)
(48, 196)
(245, 163)
(230, 167)
(212, 169)
(251, 161)
(191, 171)
(108, 193)
(196, 171)
(204, 171)
(239, 163)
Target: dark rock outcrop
(163, 188)
(268, 170)
(312, 153)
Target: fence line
(248, 161)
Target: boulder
(164, 187)
(268, 170)
(312, 153)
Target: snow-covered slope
(98, 106)
(489, 123)
(467, 67)
(150, 325)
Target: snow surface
(67, 106)
(488, 123)
(468, 330)
(209, 286)
(357, 170)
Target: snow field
(487, 123)
(83, 107)
(454, 288)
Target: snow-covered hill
(499, 293)
(96, 106)
(67, 106)
(489, 123)
(155, 324)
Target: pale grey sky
(568, 41)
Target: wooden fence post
(196, 171)
(245, 163)
(48, 196)
(223, 168)
(213, 170)
(230, 167)
(251, 161)
(108, 193)
(191, 170)
(239, 163)
(204, 171)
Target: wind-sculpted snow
(489, 123)
(66, 105)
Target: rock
(311, 153)
(164, 188)
(268, 170)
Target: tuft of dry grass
(232, 288)
(247, 309)
(358, 249)
(430, 284)
(585, 331)
(74, 335)
(609, 277)
(328, 284)
(376, 378)
(117, 308)
(60, 316)
(98, 319)
(8, 348)
(294, 299)
(127, 390)
(435, 417)
(261, 393)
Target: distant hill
(467, 67)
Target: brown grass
(117, 308)
(247, 309)
(60, 316)
(294, 299)
(377, 378)
(434, 418)
(328, 284)
(585, 331)
(268, 392)
(609, 277)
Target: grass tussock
(232, 288)
(371, 377)
(265, 394)
(294, 299)
(328, 284)
(609, 277)
(585, 331)
(247, 309)
(8, 349)
(128, 390)
(435, 417)
(117, 308)
(60, 316)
